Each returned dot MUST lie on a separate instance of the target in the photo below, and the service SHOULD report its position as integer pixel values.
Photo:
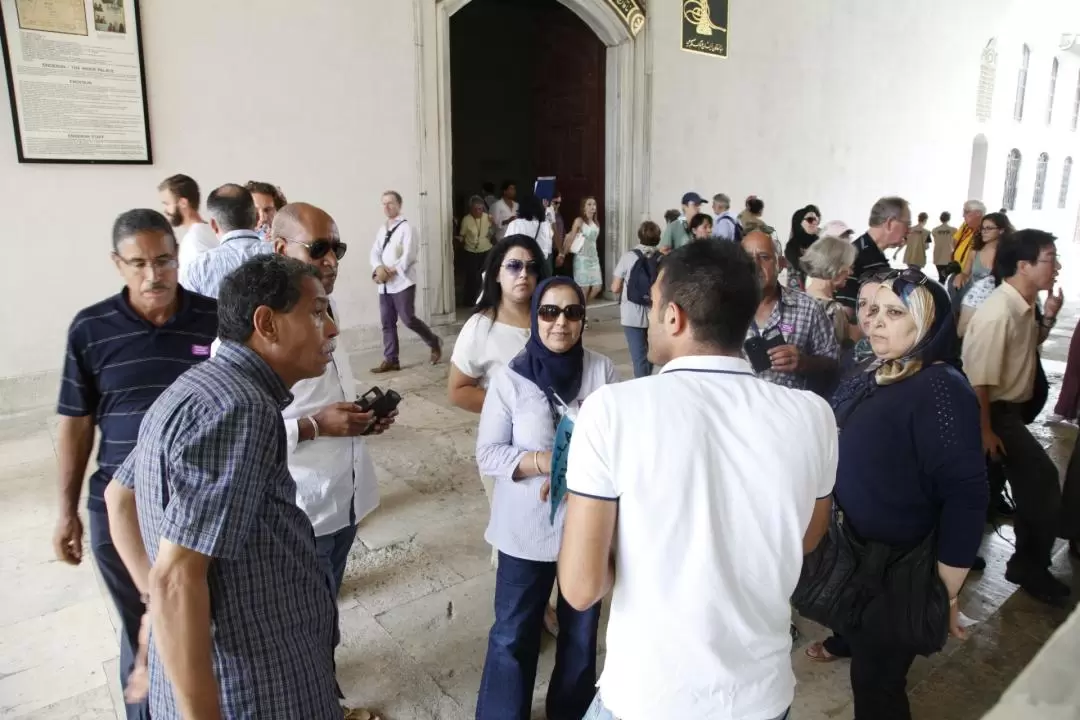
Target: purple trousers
(402, 305)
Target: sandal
(818, 653)
(359, 714)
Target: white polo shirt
(716, 474)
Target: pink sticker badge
(787, 328)
(200, 350)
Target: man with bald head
(328, 458)
(233, 217)
(790, 341)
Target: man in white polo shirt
(700, 531)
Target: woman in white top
(587, 272)
(499, 328)
(514, 444)
(532, 220)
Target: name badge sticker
(787, 328)
(200, 350)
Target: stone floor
(417, 599)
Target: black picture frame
(17, 126)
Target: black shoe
(1040, 585)
(979, 565)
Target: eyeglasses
(912, 276)
(811, 219)
(551, 313)
(515, 267)
(317, 250)
(990, 228)
(139, 265)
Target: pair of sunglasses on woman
(551, 313)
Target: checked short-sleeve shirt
(803, 323)
(210, 473)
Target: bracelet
(536, 462)
(953, 601)
(314, 427)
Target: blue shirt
(205, 273)
(211, 474)
(117, 363)
(911, 460)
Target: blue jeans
(522, 588)
(598, 712)
(125, 597)
(638, 340)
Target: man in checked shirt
(241, 614)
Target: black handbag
(869, 589)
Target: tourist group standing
(791, 402)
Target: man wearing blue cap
(677, 234)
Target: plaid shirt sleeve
(219, 479)
(823, 342)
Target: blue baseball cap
(692, 197)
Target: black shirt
(869, 259)
(117, 364)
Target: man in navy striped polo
(121, 354)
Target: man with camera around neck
(790, 341)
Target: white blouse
(517, 420)
(483, 346)
(539, 231)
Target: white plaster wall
(317, 96)
(841, 102)
(835, 102)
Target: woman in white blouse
(514, 444)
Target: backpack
(642, 276)
(738, 234)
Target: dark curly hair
(272, 280)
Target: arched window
(1012, 173)
(1066, 175)
(1021, 85)
(1076, 104)
(984, 99)
(1053, 90)
(1040, 181)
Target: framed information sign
(75, 80)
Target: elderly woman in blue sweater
(911, 463)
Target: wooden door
(568, 72)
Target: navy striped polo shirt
(118, 363)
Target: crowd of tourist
(794, 400)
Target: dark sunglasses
(317, 250)
(911, 276)
(514, 267)
(551, 313)
(811, 219)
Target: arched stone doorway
(980, 149)
(626, 157)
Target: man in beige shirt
(943, 245)
(915, 243)
(1001, 360)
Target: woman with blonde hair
(911, 478)
(586, 255)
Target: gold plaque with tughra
(697, 14)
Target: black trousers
(473, 268)
(1036, 491)
(879, 680)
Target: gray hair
(975, 205)
(886, 209)
(476, 200)
(827, 257)
(722, 199)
